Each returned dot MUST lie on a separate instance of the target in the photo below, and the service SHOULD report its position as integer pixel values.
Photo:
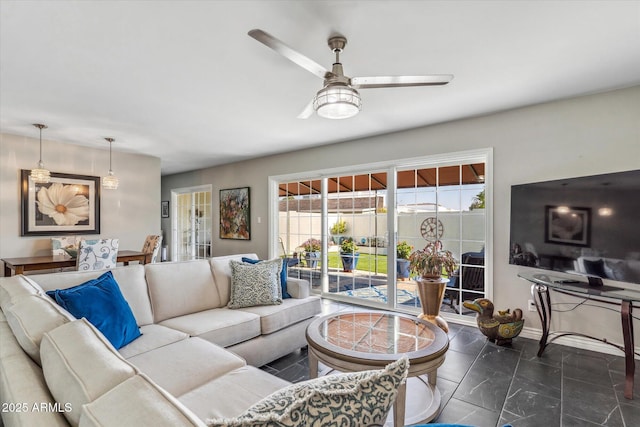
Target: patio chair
(97, 254)
(472, 279)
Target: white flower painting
(61, 203)
(69, 204)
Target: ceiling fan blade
(400, 81)
(292, 55)
(307, 112)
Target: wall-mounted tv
(587, 225)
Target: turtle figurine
(500, 328)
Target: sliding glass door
(341, 231)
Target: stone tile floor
(486, 385)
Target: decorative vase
(311, 258)
(431, 292)
(402, 268)
(349, 261)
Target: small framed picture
(164, 209)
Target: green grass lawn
(366, 262)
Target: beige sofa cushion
(14, 287)
(22, 381)
(153, 336)
(186, 364)
(130, 279)
(233, 393)
(298, 288)
(360, 398)
(179, 288)
(273, 318)
(221, 326)
(80, 365)
(137, 401)
(30, 317)
(222, 273)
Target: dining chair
(65, 245)
(97, 254)
(152, 246)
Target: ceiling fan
(339, 98)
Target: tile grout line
(513, 376)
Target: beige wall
(129, 213)
(582, 136)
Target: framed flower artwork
(68, 204)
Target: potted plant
(432, 261)
(403, 251)
(337, 229)
(349, 254)
(311, 248)
(429, 264)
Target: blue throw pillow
(102, 304)
(283, 275)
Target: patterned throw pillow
(348, 400)
(255, 284)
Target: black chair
(466, 277)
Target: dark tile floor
(486, 385)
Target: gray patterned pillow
(347, 400)
(255, 284)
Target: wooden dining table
(20, 265)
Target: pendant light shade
(110, 182)
(40, 175)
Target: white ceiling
(181, 80)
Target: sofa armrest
(298, 288)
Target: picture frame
(235, 214)
(41, 217)
(568, 225)
(164, 209)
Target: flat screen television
(587, 225)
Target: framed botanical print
(68, 204)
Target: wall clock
(432, 229)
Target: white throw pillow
(255, 284)
(347, 400)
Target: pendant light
(110, 182)
(40, 175)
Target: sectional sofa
(195, 360)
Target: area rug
(379, 294)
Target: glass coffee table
(358, 341)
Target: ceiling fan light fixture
(337, 102)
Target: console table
(20, 265)
(542, 283)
